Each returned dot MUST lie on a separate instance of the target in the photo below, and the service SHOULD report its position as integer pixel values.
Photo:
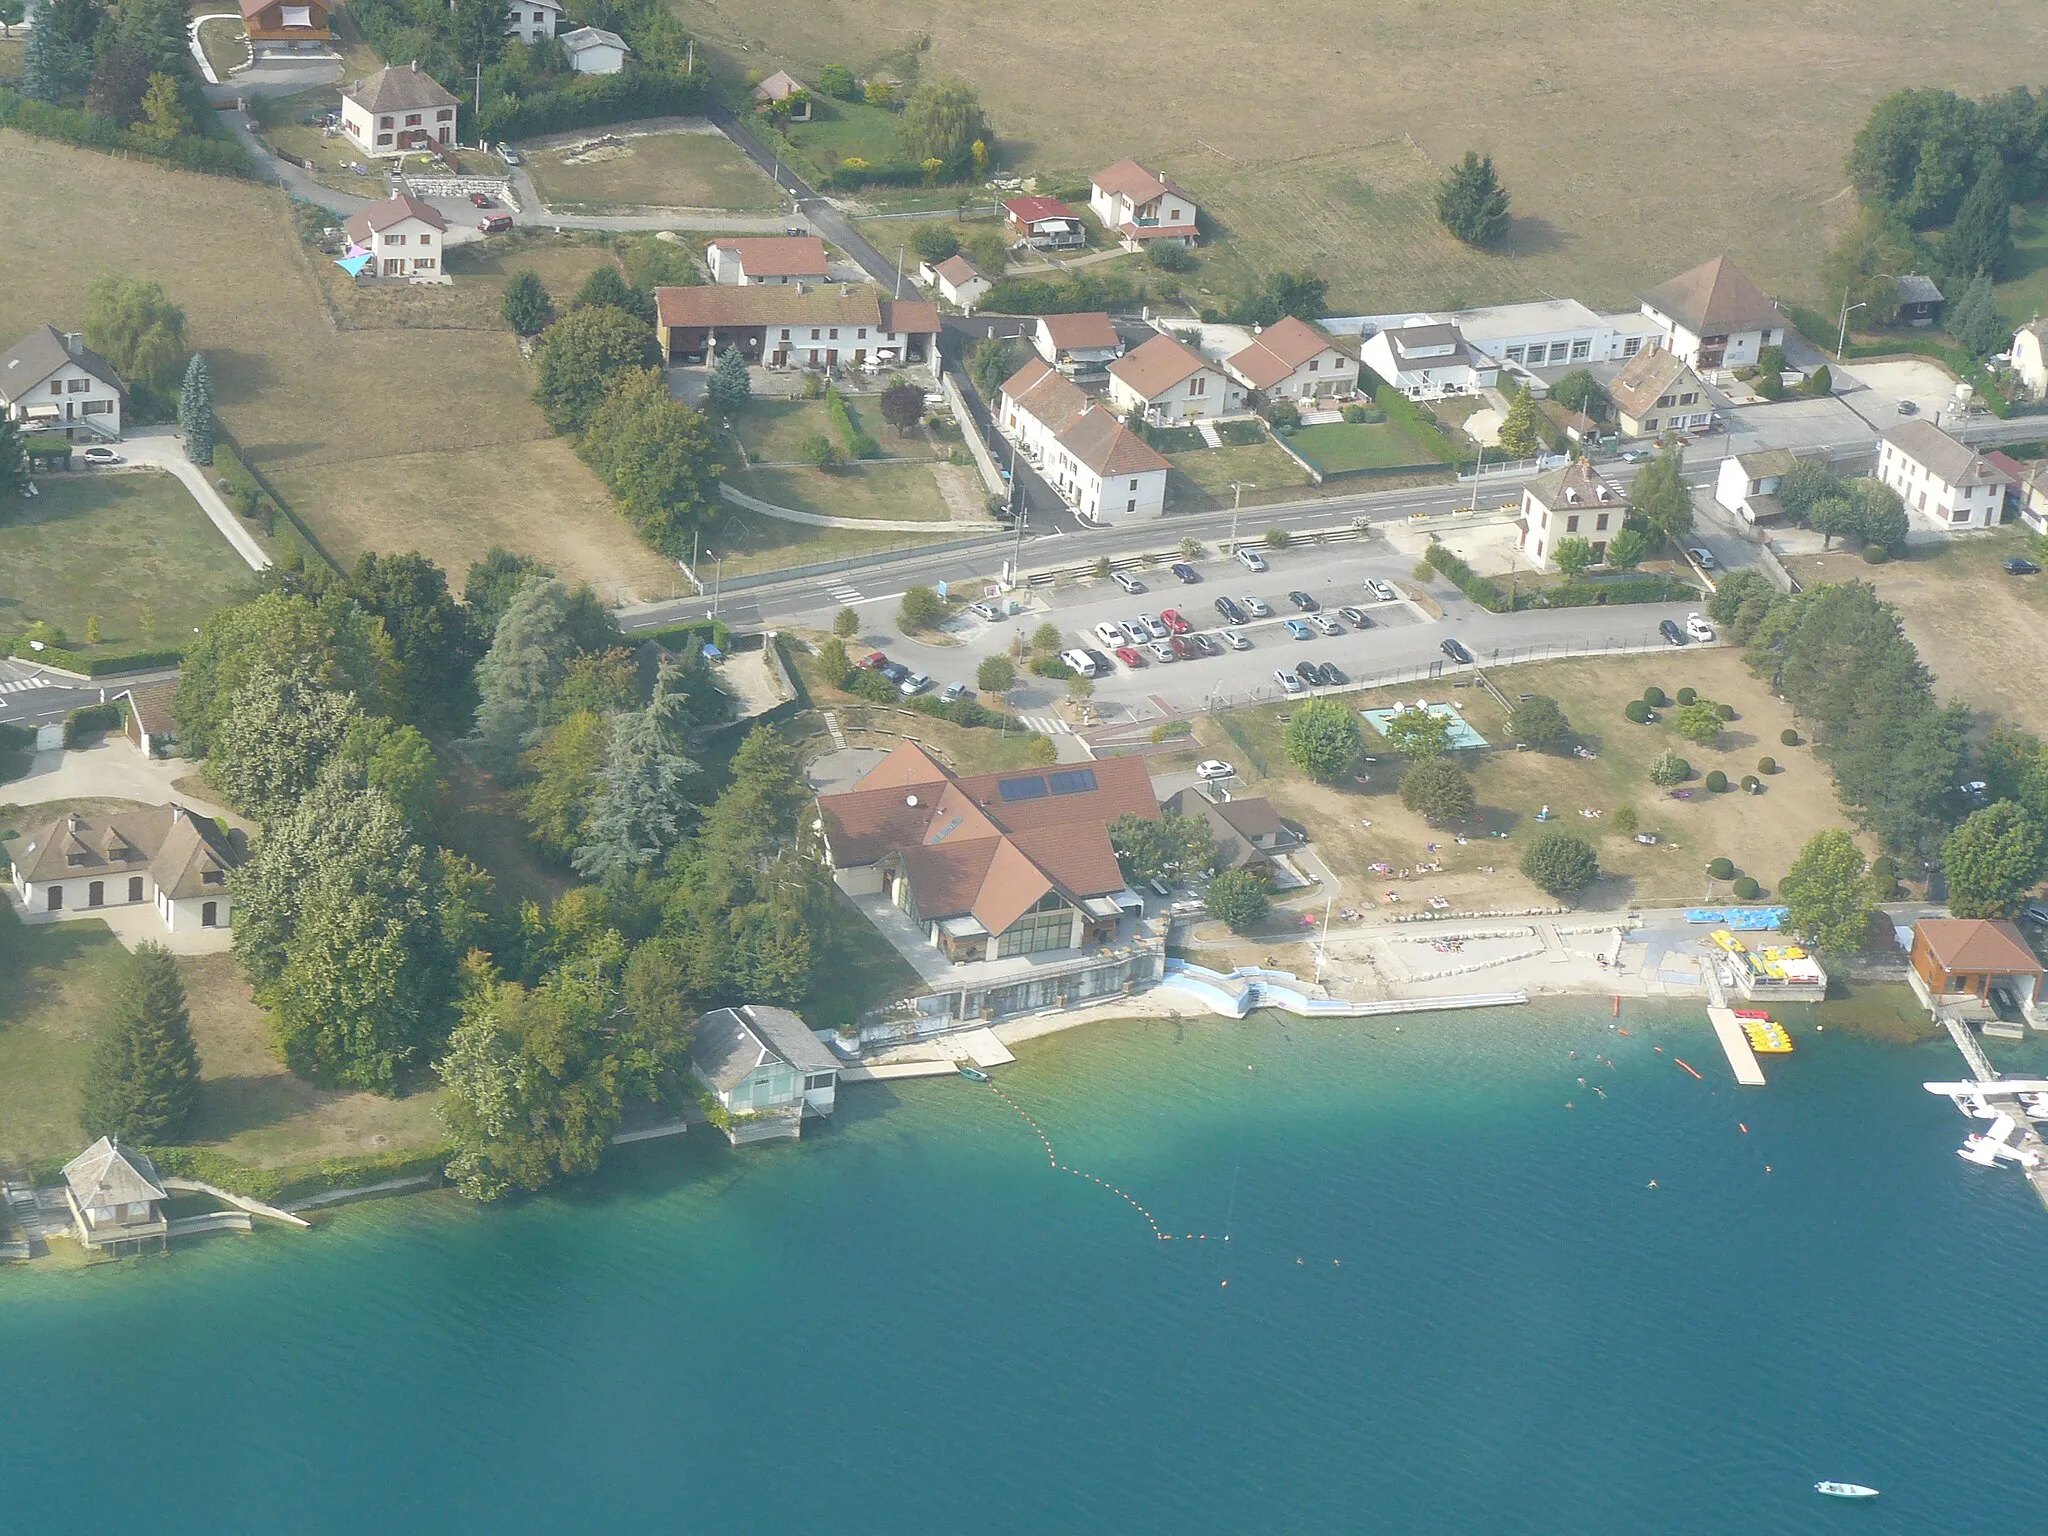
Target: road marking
(1047, 725)
(27, 682)
(848, 595)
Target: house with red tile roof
(1167, 382)
(1044, 223)
(839, 325)
(956, 280)
(1080, 343)
(1292, 360)
(1714, 316)
(1105, 471)
(1958, 959)
(403, 236)
(774, 259)
(1141, 207)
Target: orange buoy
(1688, 1066)
(1621, 1031)
(1742, 1128)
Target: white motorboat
(1845, 1490)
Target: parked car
(1232, 614)
(1310, 674)
(494, 223)
(1173, 619)
(1153, 626)
(1236, 641)
(984, 611)
(914, 684)
(1455, 649)
(1326, 624)
(1299, 630)
(1704, 559)
(106, 456)
(481, 200)
(1303, 601)
(1081, 662)
(1332, 678)
(1210, 645)
(1699, 628)
(1251, 559)
(1356, 617)
(1160, 650)
(1184, 571)
(1909, 408)
(952, 693)
(1185, 649)
(874, 661)
(1127, 582)
(1257, 608)
(505, 152)
(1634, 455)
(1130, 656)
(1289, 683)
(2018, 565)
(895, 671)
(1137, 634)
(1381, 590)
(1214, 768)
(1670, 631)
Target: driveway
(1927, 385)
(161, 448)
(112, 770)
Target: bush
(922, 608)
(873, 686)
(1788, 738)
(1885, 867)
(1725, 711)
(1669, 769)
(1042, 753)
(1102, 567)
(1354, 414)
(1767, 765)
(1238, 897)
(1687, 696)
(1717, 781)
(1276, 538)
(1169, 256)
(1283, 416)
(1481, 589)
(1721, 869)
(1052, 667)
(1655, 697)
(1875, 554)
(1438, 789)
(1751, 783)
(1746, 889)
(1638, 712)
(833, 665)
(222, 156)
(1625, 821)
(1173, 730)
(92, 720)
(996, 674)
(1770, 386)
(591, 100)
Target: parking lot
(1404, 635)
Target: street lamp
(1842, 340)
(1238, 488)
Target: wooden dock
(1728, 1029)
(2003, 1099)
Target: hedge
(1053, 667)
(92, 720)
(72, 125)
(17, 738)
(1402, 412)
(887, 173)
(858, 443)
(591, 100)
(967, 712)
(97, 665)
(1481, 589)
(1486, 592)
(677, 637)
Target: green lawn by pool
(1339, 447)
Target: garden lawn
(58, 978)
(1203, 476)
(774, 430)
(115, 543)
(846, 130)
(1340, 447)
(751, 543)
(892, 492)
(225, 41)
(653, 170)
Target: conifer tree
(1518, 435)
(144, 1075)
(43, 61)
(1472, 204)
(528, 307)
(729, 387)
(13, 461)
(1980, 240)
(195, 410)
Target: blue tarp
(1738, 917)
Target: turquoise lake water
(1453, 1305)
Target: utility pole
(1236, 501)
(899, 272)
(1842, 339)
(478, 109)
(1478, 469)
(1018, 514)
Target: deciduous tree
(527, 306)
(1172, 847)
(1662, 498)
(1994, 860)
(1561, 863)
(1573, 555)
(143, 1079)
(1239, 898)
(581, 354)
(657, 456)
(991, 362)
(1418, 734)
(1628, 549)
(903, 406)
(1580, 391)
(276, 739)
(563, 770)
(136, 327)
(1439, 789)
(1323, 739)
(995, 674)
(1537, 721)
(940, 122)
(328, 642)
(13, 459)
(1699, 721)
(1828, 893)
(922, 608)
(434, 638)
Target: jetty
(2000, 1095)
(1728, 1029)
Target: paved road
(823, 216)
(32, 695)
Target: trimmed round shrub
(1751, 783)
(1725, 711)
(1885, 867)
(1717, 781)
(1875, 554)
(1637, 711)
(1788, 738)
(1747, 889)
(1767, 765)
(1721, 869)
(1687, 695)
(1654, 697)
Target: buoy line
(1052, 1157)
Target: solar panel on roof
(1032, 788)
(1073, 781)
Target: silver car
(1255, 608)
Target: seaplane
(1995, 1144)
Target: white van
(1081, 662)
(1251, 559)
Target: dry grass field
(378, 438)
(1637, 139)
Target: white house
(594, 51)
(766, 1069)
(1167, 382)
(1748, 483)
(1292, 360)
(403, 236)
(958, 281)
(1657, 392)
(2030, 356)
(175, 861)
(51, 381)
(1141, 207)
(1105, 471)
(1038, 404)
(1714, 317)
(532, 21)
(774, 259)
(1427, 360)
(1949, 485)
(396, 111)
(1575, 502)
(1085, 342)
(116, 1198)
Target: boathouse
(765, 1069)
(1963, 959)
(116, 1198)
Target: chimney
(73, 343)
(75, 821)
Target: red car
(874, 661)
(481, 200)
(1184, 648)
(1172, 619)
(1129, 655)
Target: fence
(1358, 528)
(970, 431)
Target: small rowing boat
(972, 1074)
(1845, 1490)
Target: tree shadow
(228, 1106)
(1534, 236)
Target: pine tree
(1974, 320)
(1980, 240)
(1472, 204)
(729, 388)
(42, 60)
(13, 461)
(195, 411)
(528, 307)
(1518, 435)
(144, 1076)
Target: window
(55, 901)
(1650, 424)
(1632, 346)
(394, 239)
(1665, 400)
(209, 914)
(444, 114)
(77, 386)
(56, 386)
(1571, 524)
(96, 408)
(426, 239)
(817, 1080)
(135, 887)
(1960, 515)
(1515, 353)
(1690, 397)
(96, 894)
(1037, 933)
(863, 334)
(412, 119)
(814, 333)
(1558, 350)
(835, 334)
(1600, 523)
(785, 335)
(383, 122)
(1198, 385)
(423, 263)
(1582, 349)
(384, 138)
(1131, 505)
(1314, 363)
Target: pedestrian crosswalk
(1047, 725)
(25, 683)
(843, 594)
